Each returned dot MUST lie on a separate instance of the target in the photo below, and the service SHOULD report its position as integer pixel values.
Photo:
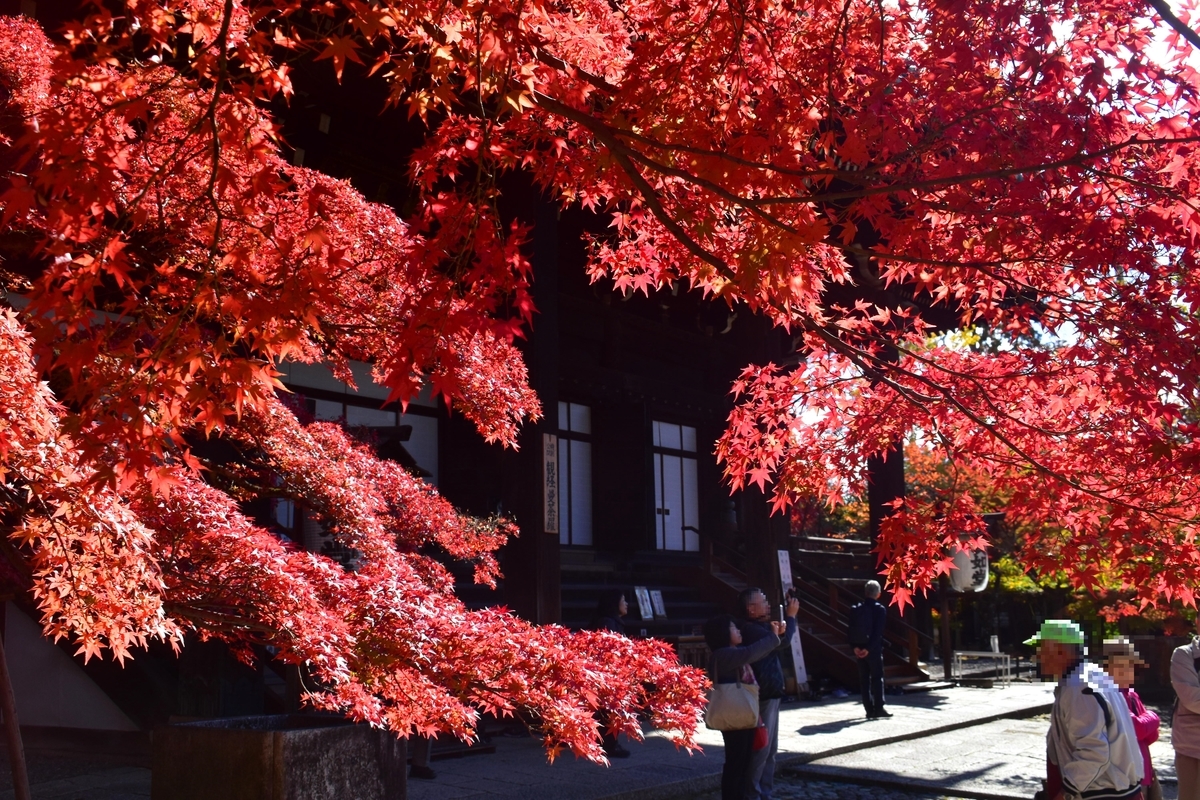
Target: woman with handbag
(733, 701)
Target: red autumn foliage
(863, 173)
(169, 273)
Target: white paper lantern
(970, 573)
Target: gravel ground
(800, 789)
(795, 788)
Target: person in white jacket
(1091, 747)
(1185, 722)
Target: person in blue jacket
(870, 652)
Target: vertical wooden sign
(550, 486)
(785, 570)
(785, 580)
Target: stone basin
(276, 757)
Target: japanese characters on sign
(645, 608)
(656, 602)
(550, 484)
(970, 573)
(785, 579)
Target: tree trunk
(885, 483)
(16, 752)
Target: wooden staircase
(824, 626)
(826, 594)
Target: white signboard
(550, 482)
(656, 601)
(785, 579)
(798, 661)
(643, 601)
(785, 569)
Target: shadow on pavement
(832, 727)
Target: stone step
(925, 686)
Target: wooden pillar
(531, 564)
(12, 730)
(947, 643)
(885, 472)
(885, 483)
(761, 533)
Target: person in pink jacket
(1120, 661)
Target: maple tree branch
(211, 115)
(218, 619)
(981, 266)
(609, 136)
(222, 72)
(984, 394)
(639, 181)
(1078, 160)
(721, 155)
(841, 29)
(703, 183)
(543, 57)
(741, 162)
(1183, 199)
(1164, 11)
(554, 62)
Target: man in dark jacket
(870, 618)
(755, 624)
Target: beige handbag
(732, 706)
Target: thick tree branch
(1164, 11)
(649, 196)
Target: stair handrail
(831, 540)
(709, 549)
(816, 577)
(898, 632)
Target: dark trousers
(420, 747)
(870, 678)
(609, 740)
(735, 775)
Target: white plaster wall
(51, 688)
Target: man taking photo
(755, 624)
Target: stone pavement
(1000, 760)
(809, 732)
(57, 778)
(791, 787)
(950, 743)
